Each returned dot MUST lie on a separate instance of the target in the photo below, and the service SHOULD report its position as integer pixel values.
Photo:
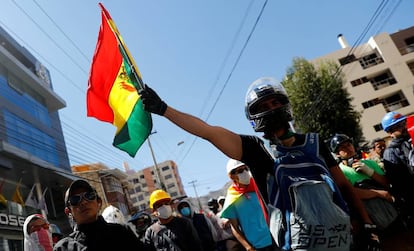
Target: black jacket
(100, 235)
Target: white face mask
(244, 177)
(164, 212)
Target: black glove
(371, 233)
(151, 101)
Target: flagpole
(157, 170)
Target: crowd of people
(303, 195)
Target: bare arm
(225, 140)
(235, 229)
(350, 194)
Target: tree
(319, 101)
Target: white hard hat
(233, 164)
(112, 214)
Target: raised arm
(225, 140)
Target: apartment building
(379, 75)
(164, 175)
(111, 185)
(33, 154)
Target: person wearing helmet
(91, 231)
(112, 214)
(169, 232)
(56, 233)
(246, 210)
(368, 179)
(267, 107)
(398, 163)
(141, 221)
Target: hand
(373, 243)
(362, 168)
(151, 101)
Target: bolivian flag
(112, 94)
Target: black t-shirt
(261, 163)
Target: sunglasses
(76, 199)
(238, 171)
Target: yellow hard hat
(158, 195)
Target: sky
(200, 57)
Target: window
(395, 102)
(168, 176)
(359, 81)
(174, 194)
(24, 136)
(140, 197)
(135, 181)
(138, 189)
(171, 185)
(370, 60)
(346, 60)
(165, 168)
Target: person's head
(56, 233)
(378, 146)
(342, 146)
(141, 220)
(238, 172)
(160, 203)
(82, 202)
(394, 124)
(213, 205)
(36, 232)
(184, 208)
(112, 214)
(268, 108)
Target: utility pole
(195, 190)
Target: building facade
(33, 156)
(146, 180)
(379, 76)
(111, 185)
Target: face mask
(185, 211)
(244, 178)
(164, 212)
(43, 238)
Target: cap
(75, 185)
(233, 164)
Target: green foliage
(319, 101)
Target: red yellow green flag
(112, 94)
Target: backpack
(306, 210)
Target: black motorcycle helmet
(262, 89)
(212, 204)
(337, 140)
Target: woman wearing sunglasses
(91, 231)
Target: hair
(376, 140)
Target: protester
(205, 229)
(377, 151)
(91, 231)
(246, 210)
(112, 214)
(225, 239)
(141, 221)
(368, 179)
(37, 236)
(169, 232)
(268, 109)
(399, 164)
(56, 233)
